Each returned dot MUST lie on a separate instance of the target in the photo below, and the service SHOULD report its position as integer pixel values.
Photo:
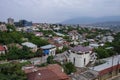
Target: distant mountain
(90, 20)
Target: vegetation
(69, 68)
(104, 53)
(16, 37)
(15, 53)
(63, 50)
(50, 60)
(10, 37)
(116, 43)
(12, 71)
(36, 40)
(10, 27)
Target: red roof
(105, 71)
(51, 72)
(44, 74)
(2, 48)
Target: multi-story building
(74, 35)
(80, 56)
(23, 23)
(11, 21)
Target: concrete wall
(80, 60)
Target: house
(80, 56)
(35, 28)
(49, 49)
(110, 68)
(74, 35)
(50, 72)
(3, 27)
(59, 42)
(93, 45)
(39, 34)
(108, 38)
(3, 49)
(58, 39)
(30, 45)
(56, 28)
(87, 75)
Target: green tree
(69, 68)
(12, 71)
(50, 60)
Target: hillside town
(42, 51)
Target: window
(84, 61)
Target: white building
(74, 35)
(30, 45)
(3, 27)
(49, 49)
(80, 56)
(108, 38)
(93, 45)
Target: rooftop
(29, 44)
(50, 72)
(81, 48)
(48, 46)
(112, 61)
(87, 75)
(2, 48)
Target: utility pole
(112, 66)
(118, 65)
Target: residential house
(3, 27)
(35, 28)
(59, 42)
(74, 35)
(39, 34)
(80, 56)
(50, 72)
(56, 28)
(94, 45)
(30, 45)
(87, 75)
(3, 49)
(49, 49)
(107, 38)
(110, 68)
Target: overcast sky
(57, 10)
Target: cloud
(57, 10)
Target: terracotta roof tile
(51, 72)
(2, 48)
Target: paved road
(40, 60)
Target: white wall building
(80, 56)
(30, 45)
(49, 50)
(73, 35)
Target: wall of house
(2, 52)
(110, 72)
(80, 60)
(52, 51)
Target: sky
(53, 11)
